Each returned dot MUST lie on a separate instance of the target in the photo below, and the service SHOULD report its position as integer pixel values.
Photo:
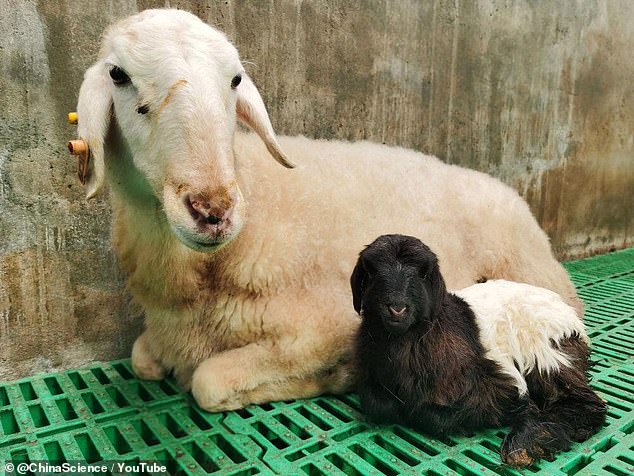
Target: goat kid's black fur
(421, 362)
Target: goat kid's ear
(357, 282)
(438, 285)
(94, 111)
(252, 112)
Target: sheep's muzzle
(205, 220)
(211, 215)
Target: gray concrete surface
(539, 94)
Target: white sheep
(242, 265)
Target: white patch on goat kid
(518, 323)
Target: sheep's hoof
(145, 366)
(148, 370)
(210, 394)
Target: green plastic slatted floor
(104, 414)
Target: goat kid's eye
(236, 80)
(119, 77)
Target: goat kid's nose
(398, 311)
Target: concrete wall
(539, 94)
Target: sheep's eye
(143, 109)
(119, 77)
(235, 81)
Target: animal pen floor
(103, 414)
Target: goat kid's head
(159, 111)
(397, 283)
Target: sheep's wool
(518, 324)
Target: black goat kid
(427, 360)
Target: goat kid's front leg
(532, 437)
(379, 403)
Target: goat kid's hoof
(520, 457)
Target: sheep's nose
(202, 210)
(398, 310)
(205, 212)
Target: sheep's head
(397, 283)
(160, 108)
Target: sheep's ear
(94, 114)
(251, 111)
(357, 283)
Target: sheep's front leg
(144, 364)
(303, 350)
(256, 374)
